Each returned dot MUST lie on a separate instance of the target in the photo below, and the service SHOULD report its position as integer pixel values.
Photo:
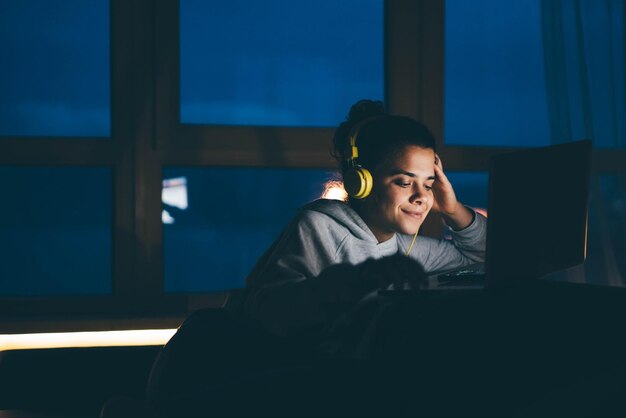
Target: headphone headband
(354, 150)
(356, 129)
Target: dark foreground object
(544, 349)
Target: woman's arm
(466, 247)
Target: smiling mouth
(414, 214)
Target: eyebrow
(407, 173)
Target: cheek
(384, 196)
(431, 201)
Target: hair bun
(360, 111)
(365, 109)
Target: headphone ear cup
(358, 182)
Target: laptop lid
(538, 206)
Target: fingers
(439, 173)
(445, 197)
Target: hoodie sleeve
(297, 287)
(467, 246)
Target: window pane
(279, 62)
(219, 221)
(55, 231)
(470, 188)
(527, 73)
(54, 77)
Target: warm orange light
(141, 337)
(334, 190)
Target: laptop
(538, 202)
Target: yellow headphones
(357, 180)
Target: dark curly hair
(379, 135)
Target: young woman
(317, 283)
(335, 253)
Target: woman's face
(401, 194)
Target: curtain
(583, 53)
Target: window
(529, 73)
(537, 73)
(225, 218)
(54, 77)
(278, 62)
(55, 231)
(134, 73)
(67, 213)
(470, 188)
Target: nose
(419, 196)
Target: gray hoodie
(308, 276)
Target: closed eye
(402, 183)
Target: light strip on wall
(141, 337)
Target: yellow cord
(411, 246)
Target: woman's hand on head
(443, 192)
(454, 213)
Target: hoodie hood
(344, 215)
